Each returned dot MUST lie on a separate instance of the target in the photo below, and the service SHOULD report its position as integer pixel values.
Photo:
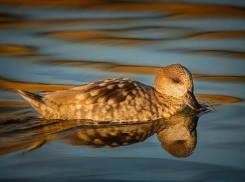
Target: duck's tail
(44, 106)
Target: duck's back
(120, 99)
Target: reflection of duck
(120, 99)
(177, 134)
(179, 138)
(112, 135)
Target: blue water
(34, 149)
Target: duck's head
(176, 81)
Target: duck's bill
(191, 101)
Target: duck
(120, 99)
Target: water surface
(46, 45)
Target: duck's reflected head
(179, 138)
(176, 81)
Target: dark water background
(51, 45)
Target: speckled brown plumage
(118, 99)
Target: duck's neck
(169, 101)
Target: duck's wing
(110, 91)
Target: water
(55, 45)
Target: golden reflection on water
(176, 9)
(213, 35)
(14, 50)
(110, 37)
(13, 85)
(44, 23)
(106, 36)
(219, 53)
(99, 36)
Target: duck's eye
(180, 141)
(176, 80)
